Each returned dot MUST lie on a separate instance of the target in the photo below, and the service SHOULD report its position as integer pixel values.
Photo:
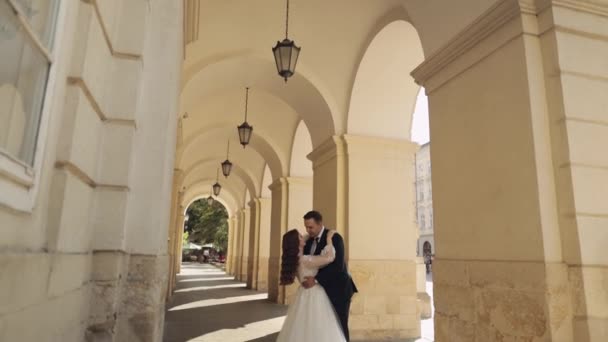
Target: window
(26, 39)
(422, 222)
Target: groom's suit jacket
(334, 277)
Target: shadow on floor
(203, 309)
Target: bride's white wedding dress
(311, 317)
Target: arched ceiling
(231, 197)
(233, 51)
(389, 64)
(208, 166)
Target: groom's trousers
(342, 310)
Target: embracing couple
(320, 310)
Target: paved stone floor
(211, 306)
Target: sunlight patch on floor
(249, 332)
(219, 301)
(214, 287)
(205, 279)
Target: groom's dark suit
(335, 278)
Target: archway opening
(205, 237)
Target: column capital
(380, 147)
(289, 181)
(503, 22)
(328, 150)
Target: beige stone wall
(79, 250)
(574, 49)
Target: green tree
(185, 239)
(207, 223)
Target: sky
(420, 126)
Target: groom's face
(313, 228)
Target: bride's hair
(290, 258)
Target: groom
(334, 277)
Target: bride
(311, 317)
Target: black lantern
(286, 53)
(245, 130)
(209, 200)
(226, 164)
(217, 187)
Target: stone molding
(81, 84)
(104, 30)
(280, 182)
(380, 147)
(81, 175)
(470, 45)
(327, 151)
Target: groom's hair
(315, 215)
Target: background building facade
(424, 201)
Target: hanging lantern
(210, 200)
(226, 164)
(245, 130)
(217, 187)
(286, 53)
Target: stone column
(263, 245)
(230, 251)
(171, 229)
(573, 40)
(246, 219)
(329, 182)
(254, 235)
(175, 241)
(291, 199)
(236, 257)
(179, 237)
(510, 261)
(376, 177)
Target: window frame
(20, 182)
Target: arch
(204, 196)
(237, 171)
(223, 200)
(266, 181)
(270, 116)
(427, 248)
(234, 185)
(300, 165)
(246, 199)
(259, 144)
(228, 196)
(394, 51)
(236, 72)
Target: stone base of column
(424, 300)
(108, 269)
(386, 307)
(262, 278)
(274, 276)
(142, 304)
(501, 301)
(233, 266)
(424, 305)
(589, 290)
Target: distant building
(424, 202)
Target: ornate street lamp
(226, 164)
(245, 130)
(286, 53)
(210, 200)
(217, 187)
